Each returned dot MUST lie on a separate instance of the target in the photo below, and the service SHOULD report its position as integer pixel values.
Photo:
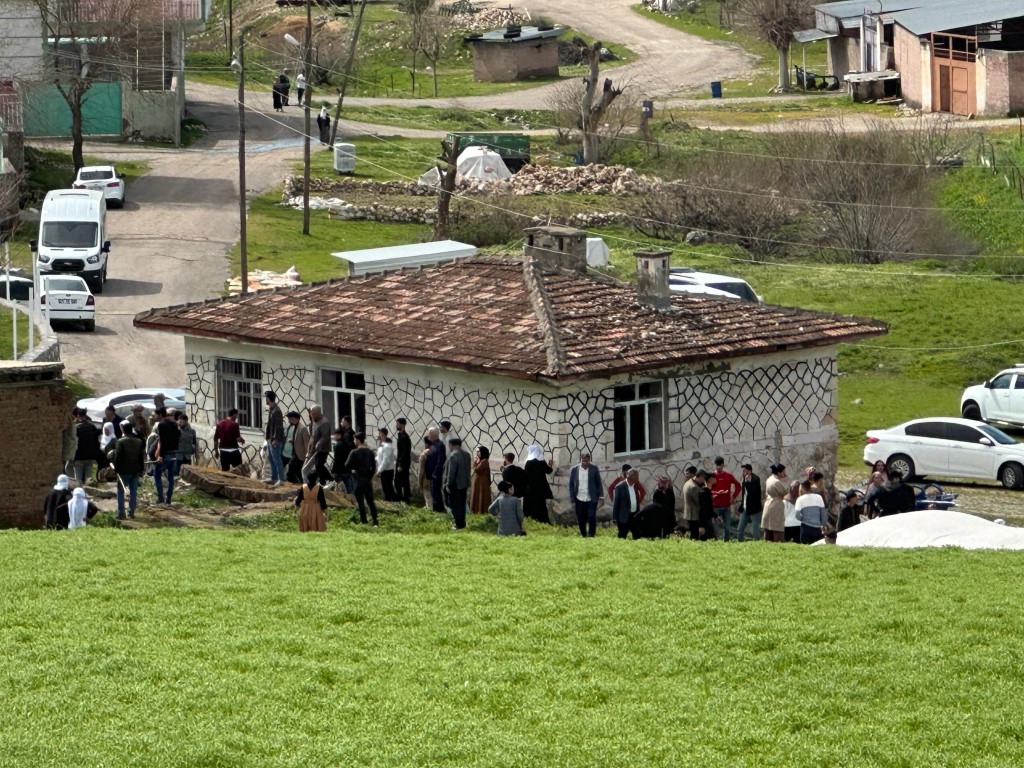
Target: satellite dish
(291, 40)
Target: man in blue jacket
(585, 494)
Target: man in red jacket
(724, 492)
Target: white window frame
(329, 390)
(661, 400)
(240, 390)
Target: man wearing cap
(275, 438)
(725, 489)
(457, 476)
(751, 503)
(403, 461)
(585, 491)
(296, 443)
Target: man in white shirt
(585, 492)
(626, 502)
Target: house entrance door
(953, 73)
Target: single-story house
(539, 349)
(946, 55)
(515, 53)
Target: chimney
(652, 279)
(557, 248)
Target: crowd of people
(317, 457)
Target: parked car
(1000, 399)
(15, 287)
(948, 447)
(688, 280)
(102, 178)
(68, 299)
(126, 399)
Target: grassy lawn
(197, 648)
(7, 330)
(450, 119)
(705, 23)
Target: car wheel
(90, 325)
(971, 411)
(901, 463)
(1012, 476)
(97, 284)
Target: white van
(72, 232)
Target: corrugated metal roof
(412, 255)
(504, 35)
(810, 35)
(846, 9)
(940, 15)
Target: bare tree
(775, 21)
(413, 41)
(350, 58)
(447, 171)
(620, 116)
(86, 49)
(434, 36)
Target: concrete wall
(154, 114)
(764, 409)
(37, 406)
(504, 62)
(21, 40)
(911, 63)
(1000, 84)
(843, 56)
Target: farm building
(539, 349)
(515, 53)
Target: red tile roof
(494, 315)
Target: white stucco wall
(21, 40)
(765, 409)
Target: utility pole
(241, 161)
(305, 107)
(231, 24)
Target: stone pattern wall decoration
(202, 391)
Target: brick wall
(37, 406)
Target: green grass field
(194, 648)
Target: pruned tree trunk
(594, 104)
(784, 86)
(447, 168)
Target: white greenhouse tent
(474, 163)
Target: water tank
(344, 157)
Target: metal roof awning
(812, 35)
(370, 260)
(871, 77)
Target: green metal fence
(47, 113)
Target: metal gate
(954, 68)
(47, 113)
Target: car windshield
(998, 436)
(63, 284)
(739, 289)
(69, 234)
(95, 175)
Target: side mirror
(985, 441)
(988, 384)
(106, 246)
(33, 245)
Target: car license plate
(66, 301)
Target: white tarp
(932, 528)
(597, 252)
(478, 163)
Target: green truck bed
(514, 148)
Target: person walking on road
(300, 86)
(323, 124)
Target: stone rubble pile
(486, 19)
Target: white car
(102, 178)
(126, 399)
(688, 280)
(1000, 399)
(948, 447)
(68, 298)
(15, 287)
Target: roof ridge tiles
(540, 301)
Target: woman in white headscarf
(55, 506)
(80, 509)
(323, 122)
(107, 443)
(535, 501)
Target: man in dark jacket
(129, 464)
(585, 491)
(434, 468)
(344, 444)
(514, 475)
(361, 465)
(274, 434)
(88, 451)
(751, 502)
(894, 497)
(626, 501)
(403, 461)
(457, 474)
(169, 436)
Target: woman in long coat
(773, 521)
(535, 502)
(480, 495)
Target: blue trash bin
(716, 89)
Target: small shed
(515, 53)
(371, 260)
